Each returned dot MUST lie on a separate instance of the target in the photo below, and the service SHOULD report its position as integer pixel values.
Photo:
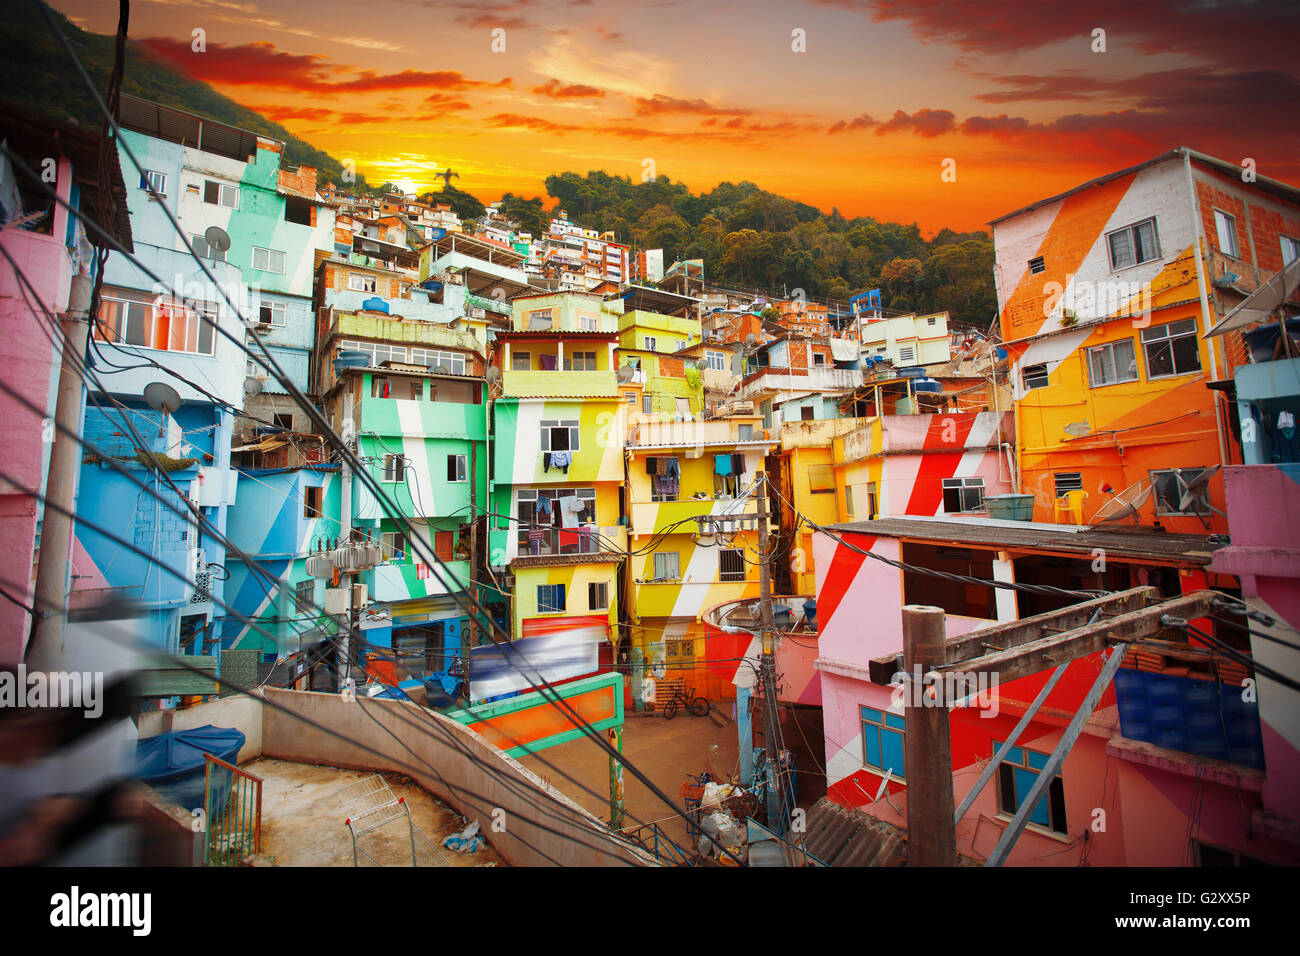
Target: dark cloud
(926, 122)
(861, 121)
(564, 91)
(660, 104)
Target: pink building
(48, 246)
(1169, 770)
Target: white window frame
(1131, 232)
(587, 323)
(961, 486)
(1157, 334)
(277, 309)
(394, 469)
(151, 304)
(572, 426)
(1289, 245)
(1225, 227)
(1108, 350)
(223, 190)
(651, 344)
(393, 545)
(156, 180)
(360, 283)
(208, 252)
(717, 361)
(270, 260)
(462, 468)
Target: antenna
(216, 238)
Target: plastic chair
(1071, 503)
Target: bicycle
(698, 706)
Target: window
(872, 508)
(394, 468)
(304, 596)
(1226, 226)
(1111, 363)
(131, 318)
(667, 566)
(393, 545)
(931, 320)
(819, 360)
(205, 251)
(963, 494)
(715, 361)
(1016, 776)
(521, 361)
(560, 435)
(297, 210)
(1171, 349)
(731, 564)
(597, 596)
(1174, 495)
(907, 353)
(362, 283)
(631, 398)
(821, 480)
(1034, 376)
(744, 432)
(415, 389)
(268, 260)
(1064, 481)
(882, 741)
(550, 598)
(220, 194)
(1290, 249)
(381, 387)
(539, 319)
(1036, 265)
(848, 501)
(1133, 245)
(587, 323)
(456, 469)
(272, 314)
(580, 362)
(311, 498)
(647, 404)
(650, 343)
(155, 181)
(453, 362)
(284, 420)
(678, 345)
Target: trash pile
(467, 840)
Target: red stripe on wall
(844, 568)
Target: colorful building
(1173, 755)
(557, 538)
(693, 538)
(49, 253)
(1105, 292)
(906, 340)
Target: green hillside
(39, 76)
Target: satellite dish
(1125, 504)
(1195, 488)
(751, 338)
(737, 364)
(252, 385)
(626, 373)
(494, 374)
(1078, 429)
(161, 397)
(216, 238)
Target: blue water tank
(927, 385)
(375, 304)
(352, 358)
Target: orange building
(1105, 294)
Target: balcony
(816, 379)
(411, 580)
(417, 308)
(548, 542)
(559, 384)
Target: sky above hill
(862, 106)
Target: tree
(461, 202)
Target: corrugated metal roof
(839, 836)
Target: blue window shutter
(871, 736)
(893, 750)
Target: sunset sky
(713, 91)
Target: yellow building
(693, 537)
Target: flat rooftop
(1118, 540)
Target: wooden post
(927, 749)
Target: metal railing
(651, 837)
(232, 813)
(583, 539)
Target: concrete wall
(457, 766)
(241, 712)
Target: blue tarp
(173, 763)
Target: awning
(266, 444)
(1257, 306)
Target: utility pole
(473, 544)
(927, 748)
(345, 537)
(768, 660)
(51, 590)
